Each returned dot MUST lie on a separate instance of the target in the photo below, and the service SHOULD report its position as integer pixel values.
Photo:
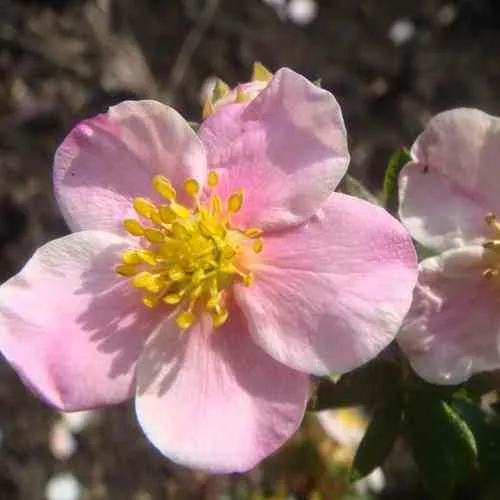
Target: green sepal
(390, 187)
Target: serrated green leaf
(380, 435)
(443, 445)
(396, 162)
(363, 386)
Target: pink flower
(243, 273)
(449, 194)
(222, 94)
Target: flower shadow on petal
(161, 362)
(225, 358)
(115, 318)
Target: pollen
(188, 257)
(492, 271)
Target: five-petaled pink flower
(239, 272)
(449, 196)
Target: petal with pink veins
(454, 178)
(453, 328)
(214, 400)
(108, 160)
(287, 149)
(330, 294)
(70, 326)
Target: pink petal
(454, 181)
(287, 149)
(250, 90)
(70, 326)
(214, 400)
(436, 211)
(108, 160)
(331, 294)
(453, 328)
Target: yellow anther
(241, 96)
(167, 215)
(168, 250)
(213, 178)
(228, 252)
(133, 227)
(493, 273)
(155, 217)
(258, 245)
(248, 279)
(144, 207)
(221, 89)
(253, 232)
(208, 108)
(143, 279)
(206, 229)
(235, 202)
(153, 235)
(216, 205)
(163, 186)
(198, 276)
(173, 298)
(150, 300)
(219, 317)
(180, 210)
(260, 73)
(175, 273)
(184, 319)
(227, 267)
(214, 301)
(191, 187)
(131, 257)
(189, 255)
(180, 231)
(146, 256)
(155, 286)
(126, 270)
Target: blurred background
(391, 64)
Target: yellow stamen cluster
(189, 257)
(492, 272)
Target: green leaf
(485, 426)
(396, 162)
(380, 435)
(363, 386)
(443, 445)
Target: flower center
(492, 272)
(189, 257)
